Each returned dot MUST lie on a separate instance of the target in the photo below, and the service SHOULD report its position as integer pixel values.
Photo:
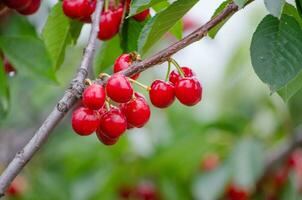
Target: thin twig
(68, 100)
(71, 96)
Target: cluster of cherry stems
(130, 109)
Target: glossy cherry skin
(236, 193)
(31, 8)
(79, 9)
(162, 94)
(124, 62)
(17, 4)
(137, 112)
(110, 23)
(119, 88)
(113, 123)
(174, 76)
(142, 16)
(103, 138)
(85, 121)
(188, 91)
(94, 97)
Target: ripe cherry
(113, 123)
(124, 62)
(237, 193)
(106, 140)
(85, 121)
(17, 4)
(110, 22)
(119, 89)
(142, 16)
(146, 191)
(174, 76)
(162, 94)
(79, 9)
(8, 68)
(94, 97)
(31, 8)
(137, 111)
(18, 187)
(188, 91)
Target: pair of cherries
(111, 17)
(182, 84)
(24, 7)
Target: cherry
(17, 4)
(119, 89)
(110, 22)
(280, 176)
(174, 76)
(17, 187)
(8, 68)
(137, 111)
(31, 8)
(188, 91)
(162, 94)
(235, 192)
(79, 9)
(142, 16)
(124, 62)
(146, 191)
(210, 162)
(85, 121)
(106, 140)
(94, 97)
(113, 123)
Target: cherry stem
(106, 5)
(88, 81)
(177, 67)
(139, 84)
(107, 104)
(168, 71)
(135, 56)
(101, 75)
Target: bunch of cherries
(111, 16)
(130, 109)
(24, 7)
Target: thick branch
(58, 112)
(71, 96)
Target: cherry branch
(77, 85)
(68, 100)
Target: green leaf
(130, 33)
(162, 22)
(108, 53)
(75, 30)
(274, 7)
(211, 185)
(247, 162)
(276, 50)
(56, 34)
(4, 92)
(138, 6)
(290, 10)
(176, 30)
(299, 7)
(29, 55)
(17, 25)
(240, 3)
(214, 31)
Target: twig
(71, 96)
(58, 112)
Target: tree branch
(58, 112)
(76, 89)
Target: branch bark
(67, 101)
(71, 96)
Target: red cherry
(79, 9)
(188, 91)
(295, 159)
(104, 138)
(31, 8)
(94, 97)
(137, 112)
(17, 4)
(174, 76)
(17, 187)
(119, 89)
(8, 68)
(85, 121)
(142, 16)
(124, 62)
(281, 175)
(146, 191)
(162, 94)
(237, 193)
(110, 23)
(113, 123)
(210, 162)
